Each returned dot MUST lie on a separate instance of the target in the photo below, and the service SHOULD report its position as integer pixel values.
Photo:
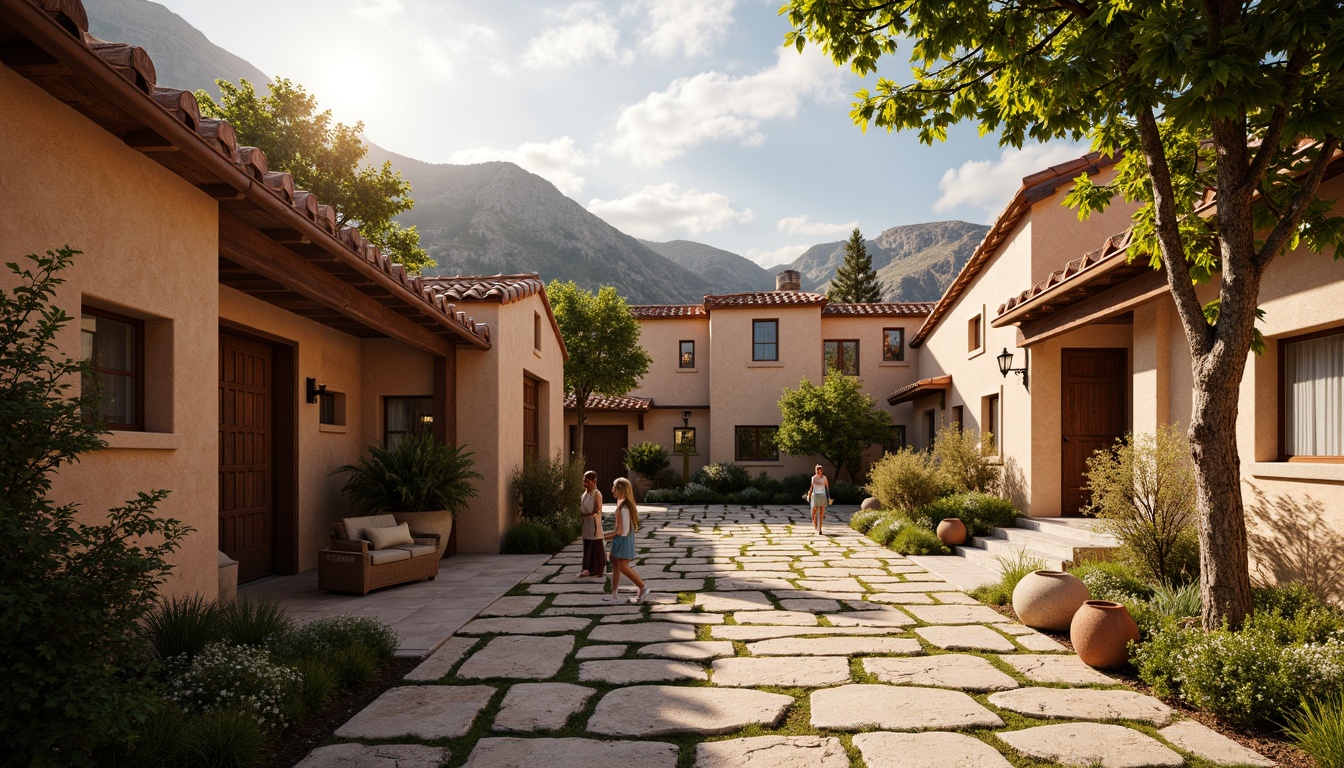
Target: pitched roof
(880, 309)
(1035, 188)
(763, 299)
(604, 403)
(660, 311)
(1065, 285)
(504, 289)
(920, 388)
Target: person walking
(623, 543)
(594, 544)
(820, 497)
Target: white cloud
(375, 10)
(438, 56)
(715, 107)
(686, 27)
(657, 211)
(803, 225)
(990, 184)
(556, 161)
(583, 32)
(776, 258)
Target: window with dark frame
(113, 346)
(686, 354)
(1311, 399)
(756, 444)
(536, 331)
(893, 345)
(992, 420)
(973, 334)
(765, 340)
(404, 416)
(896, 441)
(959, 416)
(326, 408)
(842, 355)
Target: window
(113, 346)
(959, 416)
(536, 331)
(686, 355)
(405, 416)
(896, 440)
(990, 417)
(331, 408)
(1313, 395)
(930, 428)
(843, 355)
(757, 444)
(893, 345)
(764, 340)
(683, 440)
(973, 331)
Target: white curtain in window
(1315, 397)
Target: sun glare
(348, 87)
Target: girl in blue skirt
(623, 543)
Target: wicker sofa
(351, 564)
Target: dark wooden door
(531, 421)
(246, 508)
(1093, 414)
(604, 448)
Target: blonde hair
(622, 486)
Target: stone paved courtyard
(762, 645)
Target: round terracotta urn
(871, 503)
(1048, 599)
(1101, 631)
(952, 532)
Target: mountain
(915, 262)
(726, 272)
(183, 56)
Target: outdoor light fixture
(313, 390)
(685, 418)
(1005, 359)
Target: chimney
(789, 280)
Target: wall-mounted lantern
(313, 390)
(1005, 359)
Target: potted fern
(418, 480)
(646, 460)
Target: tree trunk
(581, 412)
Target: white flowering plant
(322, 637)
(238, 678)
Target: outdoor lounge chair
(352, 564)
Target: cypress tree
(855, 280)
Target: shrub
(864, 519)
(1115, 581)
(905, 481)
(753, 496)
(241, 678)
(525, 538)
(162, 741)
(320, 637)
(1143, 491)
(249, 621)
(415, 474)
(722, 477)
(965, 461)
(646, 458)
(319, 682)
(183, 626)
(548, 491)
(845, 492)
(885, 529)
(981, 512)
(767, 484)
(795, 485)
(1167, 602)
(1318, 729)
(226, 739)
(696, 493)
(918, 540)
(668, 478)
(785, 498)
(1285, 599)
(354, 665)
(664, 496)
(1011, 570)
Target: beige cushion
(382, 538)
(418, 550)
(380, 556)
(354, 526)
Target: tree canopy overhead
(1241, 99)
(324, 158)
(855, 280)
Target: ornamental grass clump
(415, 474)
(966, 460)
(253, 620)
(182, 626)
(915, 539)
(548, 491)
(244, 679)
(1318, 729)
(906, 481)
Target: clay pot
(439, 521)
(871, 503)
(1048, 599)
(1101, 631)
(952, 532)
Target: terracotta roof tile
(763, 299)
(1115, 247)
(504, 289)
(657, 311)
(880, 309)
(604, 403)
(919, 389)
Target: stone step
(989, 560)
(1057, 542)
(1082, 528)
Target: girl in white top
(820, 496)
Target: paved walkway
(762, 645)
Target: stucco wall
(665, 381)
(1059, 236)
(150, 251)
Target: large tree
(855, 280)
(1243, 99)
(835, 421)
(602, 339)
(324, 158)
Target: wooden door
(1093, 414)
(531, 421)
(604, 448)
(246, 506)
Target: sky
(670, 119)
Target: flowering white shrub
(239, 678)
(322, 637)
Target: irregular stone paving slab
(957, 614)
(1083, 704)
(760, 564)
(836, 572)
(441, 661)
(589, 587)
(423, 711)
(600, 652)
(1044, 668)
(795, 594)
(673, 586)
(520, 605)
(765, 633)
(654, 710)
(855, 707)
(926, 576)
(881, 617)
(653, 632)
(531, 707)
(809, 605)
(782, 618)
(772, 752)
(862, 605)
(524, 626)
(497, 752)
(1040, 643)
(1017, 629)
(628, 671)
(748, 584)
(1092, 744)
(518, 656)
(831, 585)
(1201, 741)
(593, 610)
(596, 600)
(672, 608)
(908, 598)
(926, 750)
(697, 650)
(959, 598)
(835, 646)
(541, 574)
(689, 618)
(383, 756)
(733, 601)
(966, 638)
(786, 671)
(948, 670)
